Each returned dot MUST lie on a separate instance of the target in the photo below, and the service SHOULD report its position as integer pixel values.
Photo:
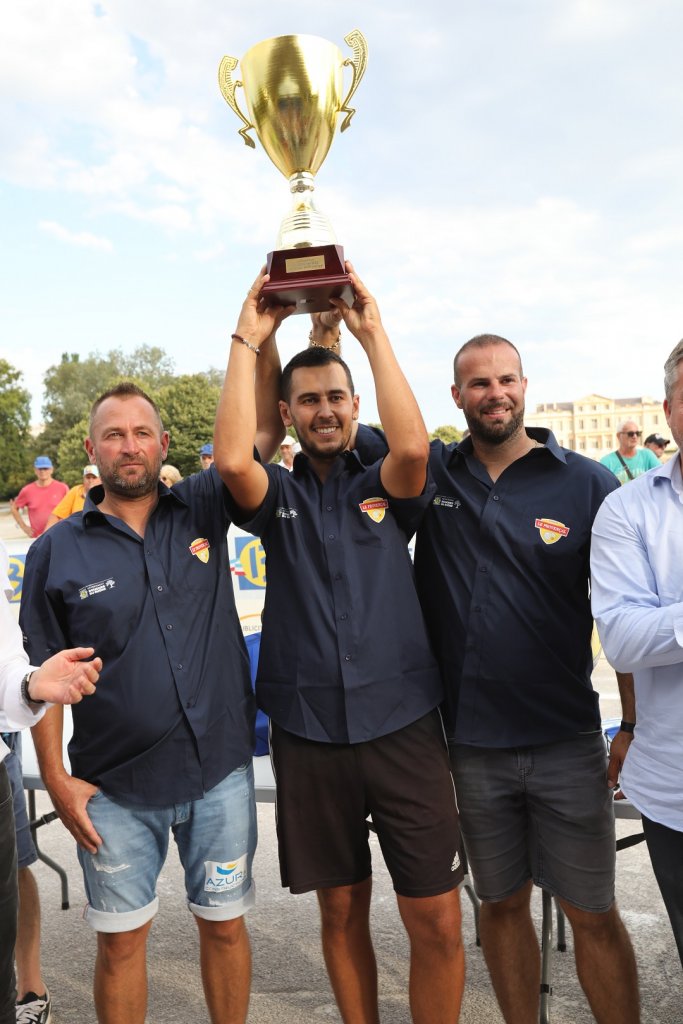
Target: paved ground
(290, 985)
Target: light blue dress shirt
(637, 599)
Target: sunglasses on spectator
(632, 433)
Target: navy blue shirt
(173, 714)
(344, 650)
(503, 575)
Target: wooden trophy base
(308, 278)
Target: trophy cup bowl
(293, 89)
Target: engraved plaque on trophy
(293, 89)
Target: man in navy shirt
(502, 564)
(350, 682)
(165, 744)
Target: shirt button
(188, 704)
(329, 508)
(343, 617)
(179, 666)
(169, 626)
(496, 497)
(482, 568)
(347, 657)
(330, 536)
(160, 588)
(337, 576)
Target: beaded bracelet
(238, 337)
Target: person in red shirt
(38, 498)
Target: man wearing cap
(629, 461)
(75, 499)
(657, 444)
(38, 498)
(206, 456)
(287, 452)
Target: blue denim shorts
(26, 851)
(542, 813)
(216, 840)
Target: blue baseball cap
(43, 462)
(206, 449)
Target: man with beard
(166, 742)
(349, 683)
(502, 564)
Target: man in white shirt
(637, 596)
(25, 694)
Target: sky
(514, 167)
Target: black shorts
(326, 791)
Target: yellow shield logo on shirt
(200, 548)
(551, 530)
(375, 508)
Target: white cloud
(83, 239)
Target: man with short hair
(637, 594)
(24, 690)
(38, 498)
(501, 563)
(167, 743)
(206, 456)
(629, 461)
(657, 444)
(350, 684)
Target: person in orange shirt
(74, 499)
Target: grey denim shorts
(543, 813)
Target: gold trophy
(293, 87)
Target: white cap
(91, 471)
(288, 439)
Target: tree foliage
(16, 450)
(188, 411)
(446, 433)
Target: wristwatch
(25, 696)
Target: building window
(594, 424)
(580, 424)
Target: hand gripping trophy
(293, 87)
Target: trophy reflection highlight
(293, 89)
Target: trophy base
(308, 278)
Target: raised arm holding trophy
(293, 87)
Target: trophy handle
(359, 62)
(227, 87)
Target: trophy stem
(304, 225)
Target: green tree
(446, 433)
(188, 411)
(16, 450)
(71, 454)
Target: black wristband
(627, 726)
(27, 699)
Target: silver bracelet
(252, 348)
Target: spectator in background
(38, 498)
(74, 500)
(287, 452)
(206, 456)
(657, 444)
(169, 475)
(629, 461)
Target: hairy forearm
(47, 739)
(235, 429)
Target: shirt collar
(669, 470)
(541, 434)
(348, 460)
(95, 497)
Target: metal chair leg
(546, 957)
(34, 825)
